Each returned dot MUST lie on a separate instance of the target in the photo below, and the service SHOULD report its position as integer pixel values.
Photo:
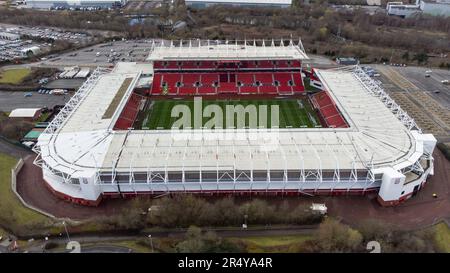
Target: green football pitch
(292, 113)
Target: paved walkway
(32, 189)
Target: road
(426, 99)
(12, 100)
(106, 243)
(432, 84)
(416, 80)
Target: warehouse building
(51, 4)
(252, 3)
(428, 7)
(26, 113)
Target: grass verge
(442, 237)
(14, 76)
(13, 215)
(273, 244)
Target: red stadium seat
(264, 78)
(206, 65)
(284, 89)
(248, 90)
(245, 78)
(328, 110)
(158, 65)
(187, 90)
(129, 112)
(189, 79)
(283, 64)
(253, 76)
(156, 85)
(227, 87)
(298, 83)
(296, 64)
(207, 90)
(209, 79)
(249, 64)
(171, 65)
(189, 65)
(267, 89)
(266, 64)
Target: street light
(67, 232)
(151, 242)
(244, 226)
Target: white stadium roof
(227, 50)
(84, 142)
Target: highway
(426, 99)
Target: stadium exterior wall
(391, 188)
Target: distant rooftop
(23, 112)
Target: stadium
(334, 131)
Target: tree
(421, 58)
(226, 212)
(193, 242)
(196, 242)
(258, 212)
(332, 236)
(405, 56)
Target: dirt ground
(420, 211)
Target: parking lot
(47, 33)
(17, 47)
(13, 100)
(105, 54)
(142, 5)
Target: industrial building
(251, 3)
(429, 7)
(52, 4)
(25, 113)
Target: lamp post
(67, 232)
(151, 242)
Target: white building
(400, 9)
(435, 8)
(261, 3)
(25, 113)
(32, 50)
(48, 4)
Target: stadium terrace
(114, 138)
